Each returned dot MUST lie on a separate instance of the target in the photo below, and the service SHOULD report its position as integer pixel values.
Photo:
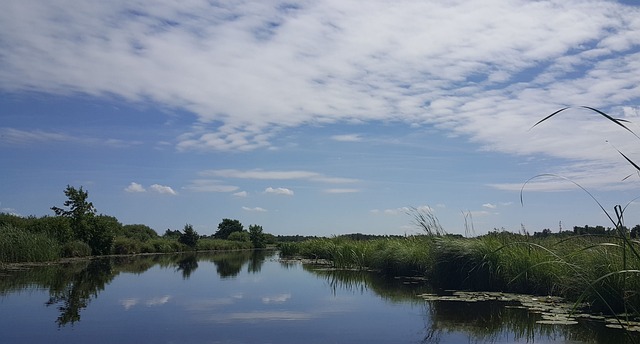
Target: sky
(322, 117)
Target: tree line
(77, 230)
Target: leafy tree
(102, 229)
(138, 232)
(242, 236)
(257, 236)
(189, 236)
(97, 232)
(226, 227)
(80, 211)
(171, 234)
(635, 232)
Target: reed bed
(22, 246)
(495, 262)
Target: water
(250, 297)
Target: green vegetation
(597, 265)
(498, 261)
(77, 231)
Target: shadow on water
(73, 285)
(479, 322)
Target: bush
(122, 245)
(242, 236)
(75, 248)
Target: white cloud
(241, 194)
(207, 185)
(347, 138)
(24, 137)
(279, 191)
(256, 209)
(489, 205)
(485, 70)
(161, 189)
(340, 191)
(259, 174)
(403, 210)
(135, 187)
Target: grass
(22, 246)
(499, 261)
(602, 271)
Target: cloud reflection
(277, 298)
(156, 301)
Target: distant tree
(171, 234)
(80, 211)
(226, 227)
(138, 232)
(242, 236)
(189, 236)
(257, 236)
(635, 232)
(101, 233)
(97, 232)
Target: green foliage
(171, 234)
(208, 244)
(75, 249)
(19, 245)
(189, 236)
(122, 245)
(138, 232)
(499, 261)
(239, 236)
(100, 234)
(56, 227)
(226, 227)
(96, 231)
(257, 236)
(79, 211)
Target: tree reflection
(73, 295)
(73, 285)
(188, 265)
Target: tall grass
(498, 261)
(615, 279)
(22, 246)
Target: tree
(189, 236)
(80, 211)
(97, 232)
(239, 236)
(257, 236)
(226, 227)
(138, 232)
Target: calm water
(249, 297)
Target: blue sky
(320, 117)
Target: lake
(251, 297)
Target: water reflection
(72, 292)
(478, 322)
(73, 285)
(271, 299)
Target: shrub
(75, 248)
(122, 245)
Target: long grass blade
(551, 115)
(571, 181)
(617, 121)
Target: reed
(498, 261)
(22, 246)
